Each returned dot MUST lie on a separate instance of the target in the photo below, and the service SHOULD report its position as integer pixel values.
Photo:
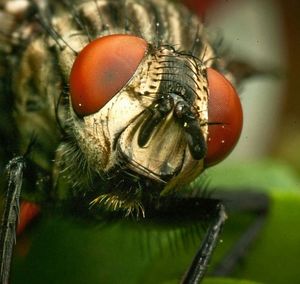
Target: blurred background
(253, 33)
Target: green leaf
(64, 251)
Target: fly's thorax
(34, 80)
(36, 85)
(111, 138)
(156, 21)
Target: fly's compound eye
(225, 118)
(102, 69)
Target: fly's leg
(200, 262)
(205, 211)
(15, 170)
(212, 212)
(254, 203)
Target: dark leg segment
(15, 169)
(199, 265)
(211, 211)
(255, 203)
(229, 262)
(206, 212)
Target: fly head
(144, 112)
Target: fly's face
(166, 141)
(141, 109)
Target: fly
(126, 106)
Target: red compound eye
(225, 117)
(102, 69)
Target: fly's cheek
(102, 69)
(225, 118)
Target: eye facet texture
(102, 69)
(225, 117)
